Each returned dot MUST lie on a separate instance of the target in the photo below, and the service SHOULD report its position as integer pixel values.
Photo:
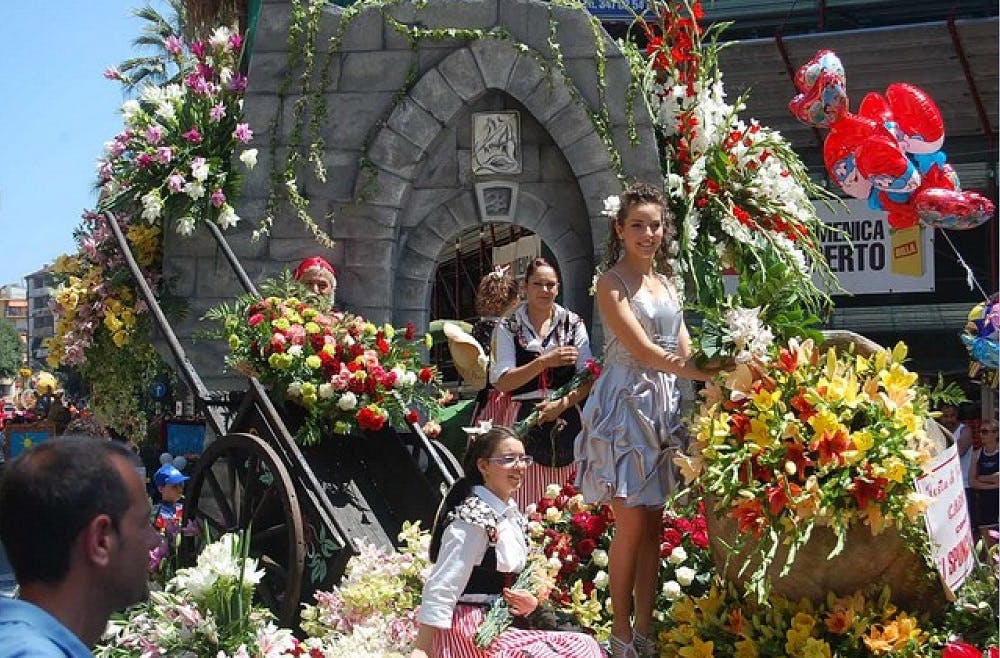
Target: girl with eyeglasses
(478, 546)
(536, 350)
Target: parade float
(803, 453)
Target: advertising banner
(947, 519)
(869, 257)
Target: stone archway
(434, 103)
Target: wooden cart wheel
(240, 483)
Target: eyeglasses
(509, 461)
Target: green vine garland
(301, 44)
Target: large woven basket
(865, 561)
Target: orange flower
(831, 446)
(839, 621)
(750, 516)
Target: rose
(371, 418)
(600, 558)
(671, 590)
(586, 547)
(426, 374)
(601, 580)
(678, 555)
(347, 401)
(590, 525)
(685, 576)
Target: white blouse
(463, 546)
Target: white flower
(552, 514)
(601, 579)
(326, 390)
(555, 564)
(535, 529)
(600, 558)
(678, 555)
(227, 217)
(685, 575)
(130, 109)
(249, 158)
(294, 389)
(220, 37)
(347, 401)
(152, 206)
(552, 491)
(530, 509)
(294, 350)
(185, 225)
(671, 590)
(612, 205)
(194, 189)
(199, 169)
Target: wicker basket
(865, 560)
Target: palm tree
(153, 68)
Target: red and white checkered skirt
(459, 640)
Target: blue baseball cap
(168, 474)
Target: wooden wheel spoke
(220, 498)
(262, 536)
(258, 509)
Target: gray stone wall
(419, 139)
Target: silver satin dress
(631, 422)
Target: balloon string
(970, 278)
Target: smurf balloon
(890, 152)
(982, 338)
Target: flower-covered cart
(304, 508)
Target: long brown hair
(638, 194)
(482, 447)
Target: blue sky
(56, 112)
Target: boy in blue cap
(170, 483)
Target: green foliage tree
(11, 349)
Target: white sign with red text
(947, 518)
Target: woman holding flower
(539, 349)
(631, 424)
(479, 545)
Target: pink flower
(175, 182)
(243, 133)
(193, 136)
(196, 83)
(173, 45)
(198, 49)
(144, 160)
(218, 198)
(236, 42)
(255, 319)
(154, 134)
(238, 83)
(164, 155)
(217, 112)
(111, 73)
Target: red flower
(589, 525)
(796, 453)
(412, 417)
(801, 405)
(426, 374)
(410, 331)
(370, 419)
(383, 345)
(866, 490)
(788, 360)
(960, 650)
(739, 425)
(586, 547)
(749, 516)
(594, 368)
(700, 538)
(831, 447)
(255, 319)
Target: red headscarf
(314, 262)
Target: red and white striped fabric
(499, 409)
(537, 478)
(459, 641)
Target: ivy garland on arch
(305, 142)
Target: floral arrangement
(373, 611)
(171, 162)
(537, 578)
(721, 621)
(205, 610)
(346, 373)
(812, 438)
(741, 196)
(575, 538)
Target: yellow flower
(759, 434)
(119, 338)
(711, 602)
(814, 648)
(895, 469)
(863, 441)
(745, 649)
(313, 361)
(683, 611)
(312, 328)
(825, 422)
(698, 649)
(916, 504)
(803, 622)
(281, 323)
(899, 352)
(765, 400)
